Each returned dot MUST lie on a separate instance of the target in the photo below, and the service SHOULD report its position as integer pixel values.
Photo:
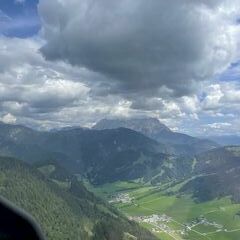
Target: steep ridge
(177, 143)
(108, 155)
(64, 212)
(147, 126)
(218, 175)
(99, 155)
(111, 155)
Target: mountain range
(101, 156)
(53, 164)
(226, 140)
(105, 155)
(176, 143)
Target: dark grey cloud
(141, 46)
(44, 94)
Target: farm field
(173, 216)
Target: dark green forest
(64, 213)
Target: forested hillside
(217, 174)
(64, 212)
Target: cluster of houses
(203, 221)
(121, 198)
(160, 224)
(152, 219)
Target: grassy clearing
(109, 189)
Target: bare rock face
(178, 143)
(147, 126)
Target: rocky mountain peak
(146, 126)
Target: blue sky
(231, 74)
(93, 61)
(21, 18)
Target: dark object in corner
(16, 225)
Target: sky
(74, 62)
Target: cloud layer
(143, 47)
(45, 94)
(174, 60)
(48, 94)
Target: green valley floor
(174, 216)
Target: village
(121, 198)
(162, 223)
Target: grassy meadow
(148, 200)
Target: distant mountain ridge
(101, 156)
(227, 140)
(178, 143)
(147, 126)
(104, 156)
